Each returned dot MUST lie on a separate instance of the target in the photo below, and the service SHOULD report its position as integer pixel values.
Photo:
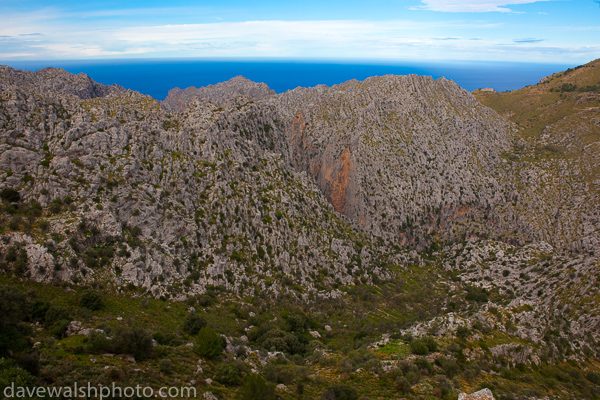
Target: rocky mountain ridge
(406, 161)
(178, 99)
(349, 196)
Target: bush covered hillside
(384, 239)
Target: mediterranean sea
(157, 77)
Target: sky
(560, 31)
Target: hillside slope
(555, 159)
(393, 232)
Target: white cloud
(308, 39)
(5, 56)
(336, 39)
(325, 32)
(472, 5)
(85, 50)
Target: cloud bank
(472, 6)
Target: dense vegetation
(228, 338)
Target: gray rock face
(483, 394)
(299, 192)
(56, 81)
(178, 99)
(178, 203)
(412, 159)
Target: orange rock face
(331, 169)
(297, 129)
(462, 210)
(339, 183)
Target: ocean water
(157, 77)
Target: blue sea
(157, 77)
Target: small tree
(340, 391)
(462, 332)
(209, 343)
(402, 384)
(166, 366)
(255, 387)
(418, 347)
(10, 195)
(57, 320)
(136, 341)
(91, 300)
(228, 374)
(193, 323)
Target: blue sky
(562, 32)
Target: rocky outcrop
(483, 394)
(178, 99)
(56, 81)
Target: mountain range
(426, 209)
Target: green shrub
(297, 322)
(423, 345)
(593, 377)
(166, 366)
(462, 332)
(568, 87)
(193, 323)
(255, 387)
(55, 314)
(402, 384)
(39, 310)
(450, 367)
(208, 343)
(418, 347)
(15, 222)
(11, 375)
(14, 337)
(476, 294)
(14, 306)
(430, 343)
(424, 365)
(277, 372)
(205, 300)
(55, 206)
(135, 341)
(413, 377)
(95, 257)
(276, 340)
(56, 321)
(340, 391)
(10, 195)
(44, 225)
(228, 374)
(98, 343)
(168, 338)
(91, 300)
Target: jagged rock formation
(171, 205)
(178, 99)
(312, 188)
(311, 194)
(55, 81)
(406, 156)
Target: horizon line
(307, 60)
